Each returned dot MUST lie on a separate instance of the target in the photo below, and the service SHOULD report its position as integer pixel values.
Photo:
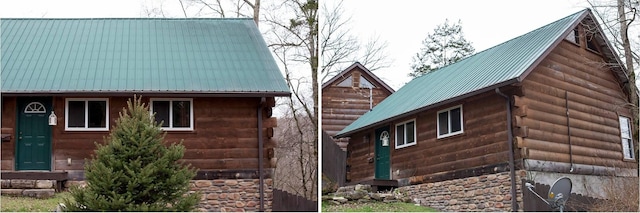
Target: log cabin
(212, 83)
(347, 96)
(550, 103)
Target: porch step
(28, 184)
(36, 193)
(32, 180)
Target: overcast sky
(69, 8)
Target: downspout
(370, 98)
(260, 154)
(566, 102)
(512, 167)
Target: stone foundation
(225, 195)
(490, 192)
(232, 195)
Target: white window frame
(171, 100)
(415, 134)
(449, 122)
(624, 137)
(86, 115)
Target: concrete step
(36, 193)
(27, 184)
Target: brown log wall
(484, 142)
(8, 127)
(224, 135)
(573, 76)
(343, 105)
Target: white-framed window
(450, 122)
(86, 114)
(173, 113)
(406, 134)
(627, 141)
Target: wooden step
(33, 179)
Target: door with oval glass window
(382, 169)
(33, 135)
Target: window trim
(86, 114)
(439, 136)
(171, 100)
(415, 134)
(622, 138)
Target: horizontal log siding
(343, 105)
(358, 153)
(595, 100)
(224, 136)
(484, 142)
(8, 127)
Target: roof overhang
(154, 93)
(364, 69)
(435, 105)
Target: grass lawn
(374, 207)
(27, 204)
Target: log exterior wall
(225, 135)
(572, 78)
(341, 106)
(8, 127)
(569, 77)
(483, 143)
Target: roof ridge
(507, 41)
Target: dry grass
(27, 204)
(622, 194)
(374, 207)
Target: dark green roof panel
(137, 55)
(502, 64)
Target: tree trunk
(626, 45)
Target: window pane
(624, 127)
(161, 109)
(443, 123)
(456, 123)
(181, 113)
(97, 114)
(410, 131)
(400, 135)
(76, 114)
(626, 148)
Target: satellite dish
(558, 193)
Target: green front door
(383, 170)
(33, 148)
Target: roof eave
(367, 71)
(438, 104)
(154, 93)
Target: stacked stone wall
(232, 195)
(490, 192)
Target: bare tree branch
(183, 10)
(340, 47)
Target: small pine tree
(134, 170)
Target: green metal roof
(123, 55)
(500, 65)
